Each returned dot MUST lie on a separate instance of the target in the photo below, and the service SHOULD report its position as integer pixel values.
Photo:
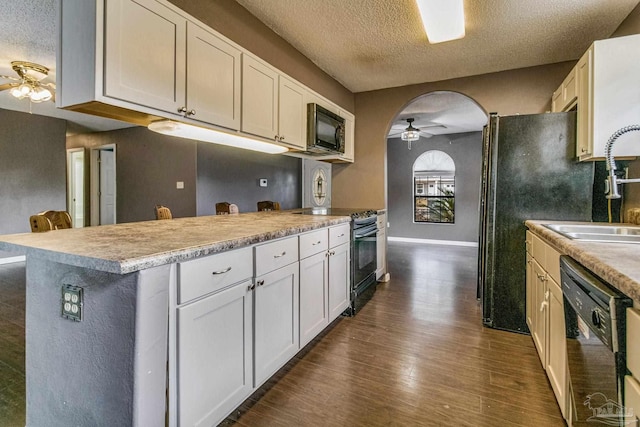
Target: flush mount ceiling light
(183, 130)
(410, 134)
(443, 20)
(28, 84)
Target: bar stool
(268, 205)
(163, 212)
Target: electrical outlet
(180, 185)
(263, 182)
(72, 302)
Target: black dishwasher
(595, 337)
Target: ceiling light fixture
(183, 130)
(443, 20)
(29, 84)
(410, 134)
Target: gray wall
(32, 169)
(466, 151)
(227, 174)
(148, 165)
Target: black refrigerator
(529, 172)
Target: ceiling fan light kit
(28, 84)
(410, 134)
(443, 20)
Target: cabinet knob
(260, 283)
(182, 110)
(281, 138)
(251, 287)
(191, 113)
(275, 138)
(584, 150)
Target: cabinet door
(584, 142)
(381, 245)
(292, 114)
(539, 332)
(314, 312)
(213, 79)
(214, 355)
(557, 350)
(556, 100)
(145, 51)
(530, 295)
(276, 321)
(339, 280)
(259, 98)
(349, 136)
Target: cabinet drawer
(211, 273)
(552, 263)
(339, 234)
(274, 255)
(528, 241)
(313, 243)
(633, 342)
(538, 248)
(381, 221)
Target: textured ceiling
(374, 44)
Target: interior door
(75, 189)
(107, 186)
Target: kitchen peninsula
(143, 288)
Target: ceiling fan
(410, 133)
(28, 84)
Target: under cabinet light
(443, 20)
(183, 130)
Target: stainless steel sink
(605, 233)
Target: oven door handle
(369, 234)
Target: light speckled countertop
(129, 247)
(616, 263)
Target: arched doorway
(449, 123)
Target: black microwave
(325, 131)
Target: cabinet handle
(191, 113)
(543, 305)
(540, 277)
(281, 255)
(528, 261)
(332, 253)
(226, 270)
(260, 283)
(251, 287)
(275, 138)
(281, 138)
(316, 243)
(546, 295)
(341, 235)
(182, 110)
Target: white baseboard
(12, 259)
(432, 242)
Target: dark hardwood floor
(416, 355)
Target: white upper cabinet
(144, 54)
(213, 79)
(140, 61)
(259, 98)
(607, 97)
(273, 106)
(292, 113)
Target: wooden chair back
(233, 209)
(59, 219)
(268, 205)
(40, 223)
(222, 208)
(163, 212)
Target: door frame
(72, 181)
(95, 182)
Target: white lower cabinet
(314, 287)
(276, 321)
(339, 280)
(545, 315)
(214, 355)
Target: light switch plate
(180, 185)
(263, 182)
(72, 302)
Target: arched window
(434, 174)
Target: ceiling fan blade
(9, 78)
(7, 86)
